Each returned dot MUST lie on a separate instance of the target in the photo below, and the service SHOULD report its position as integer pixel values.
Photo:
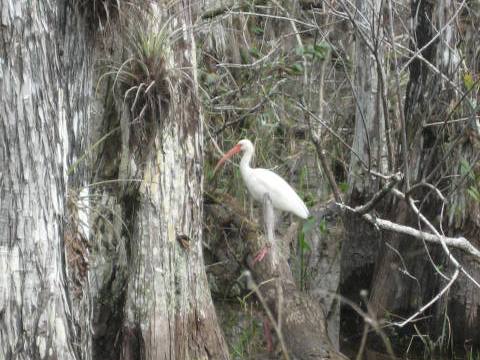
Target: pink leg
(260, 255)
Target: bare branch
(460, 243)
(431, 302)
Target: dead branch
(460, 243)
(431, 302)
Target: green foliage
(241, 349)
(296, 69)
(304, 245)
(343, 186)
(468, 81)
(145, 69)
(474, 193)
(244, 55)
(255, 52)
(314, 51)
(308, 225)
(323, 226)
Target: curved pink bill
(236, 149)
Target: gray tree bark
(44, 89)
(169, 296)
(360, 245)
(153, 299)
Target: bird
(261, 182)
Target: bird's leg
(269, 222)
(268, 218)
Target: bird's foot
(260, 255)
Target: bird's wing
(282, 194)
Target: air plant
(142, 80)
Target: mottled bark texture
(44, 89)
(77, 69)
(153, 299)
(369, 153)
(169, 296)
(435, 154)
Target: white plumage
(262, 181)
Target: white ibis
(260, 182)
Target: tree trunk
(42, 90)
(153, 297)
(169, 296)
(369, 153)
(323, 265)
(77, 69)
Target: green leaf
(255, 52)
(320, 50)
(343, 186)
(323, 226)
(474, 193)
(297, 68)
(244, 55)
(466, 169)
(322, 46)
(468, 81)
(304, 245)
